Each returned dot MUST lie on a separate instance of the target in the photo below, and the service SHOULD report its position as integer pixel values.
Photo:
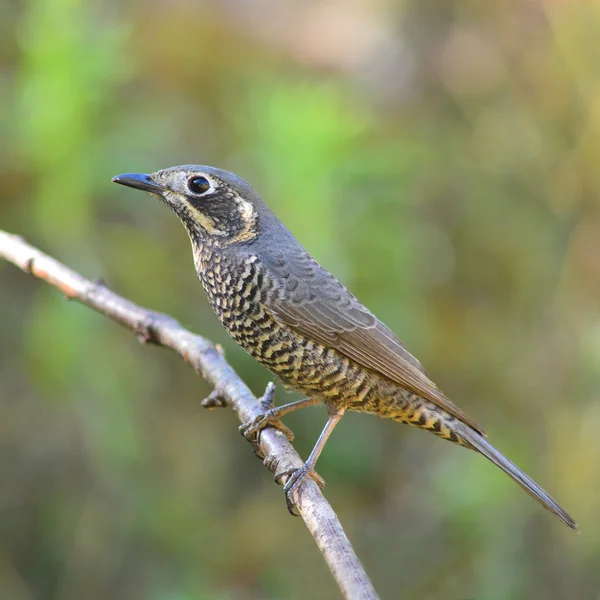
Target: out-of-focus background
(442, 159)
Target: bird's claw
(296, 479)
(268, 418)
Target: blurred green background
(441, 158)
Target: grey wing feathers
(311, 301)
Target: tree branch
(205, 359)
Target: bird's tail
(470, 438)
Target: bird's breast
(238, 293)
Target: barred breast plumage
(238, 294)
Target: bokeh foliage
(440, 158)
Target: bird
(293, 316)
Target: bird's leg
(296, 477)
(272, 415)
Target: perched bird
(299, 321)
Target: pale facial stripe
(206, 222)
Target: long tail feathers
(477, 442)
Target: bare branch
(205, 359)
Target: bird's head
(212, 204)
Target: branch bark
(206, 360)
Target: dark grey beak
(139, 181)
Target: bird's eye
(198, 185)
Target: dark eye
(198, 185)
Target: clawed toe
(251, 430)
(269, 418)
(297, 478)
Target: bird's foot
(296, 479)
(268, 418)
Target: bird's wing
(311, 301)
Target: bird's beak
(139, 181)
